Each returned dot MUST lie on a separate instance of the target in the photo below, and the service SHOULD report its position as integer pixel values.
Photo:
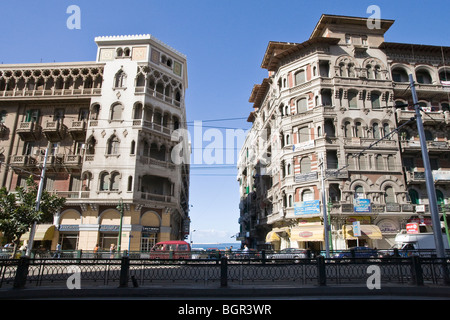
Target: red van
(174, 249)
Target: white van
(417, 241)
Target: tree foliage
(18, 210)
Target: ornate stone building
(110, 126)
(325, 114)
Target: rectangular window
(32, 115)
(303, 134)
(352, 100)
(300, 77)
(375, 101)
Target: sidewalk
(182, 292)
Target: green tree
(18, 210)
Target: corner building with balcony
(109, 126)
(324, 104)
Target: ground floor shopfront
(309, 233)
(76, 230)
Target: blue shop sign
(362, 205)
(307, 207)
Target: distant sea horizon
(220, 246)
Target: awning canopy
(368, 231)
(272, 236)
(43, 232)
(308, 232)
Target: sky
(224, 41)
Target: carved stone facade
(109, 126)
(329, 103)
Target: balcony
(159, 163)
(54, 131)
(414, 145)
(77, 130)
(29, 131)
(22, 162)
(144, 124)
(366, 142)
(306, 177)
(72, 162)
(439, 176)
(156, 197)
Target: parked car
(171, 250)
(213, 253)
(289, 253)
(358, 252)
(247, 254)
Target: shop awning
(272, 236)
(284, 231)
(309, 232)
(368, 231)
(43, 232)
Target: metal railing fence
(125, 271)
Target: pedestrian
(112, 250)
(96, 251)
(58, 251)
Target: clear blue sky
(224, 42)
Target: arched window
(119, 79)
(423, 77)
(138, 111)
(386, 128)
(359, 192)
(116, 112)
(305, 165)
(133, 147)
(399, 75)
(307, 195)
(113, 145)
(115, 181)
(90, 145)
(358, 130)
(347, 129)
(439, 197)
(130, 183)
(104, 181)
(389, 195)
(376, 131)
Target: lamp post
(120, 208)
(445, 221)
(190, 240)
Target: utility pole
(38, 202)
(324, 210)
(431, 192)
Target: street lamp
(190, 236)
(120, 209)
